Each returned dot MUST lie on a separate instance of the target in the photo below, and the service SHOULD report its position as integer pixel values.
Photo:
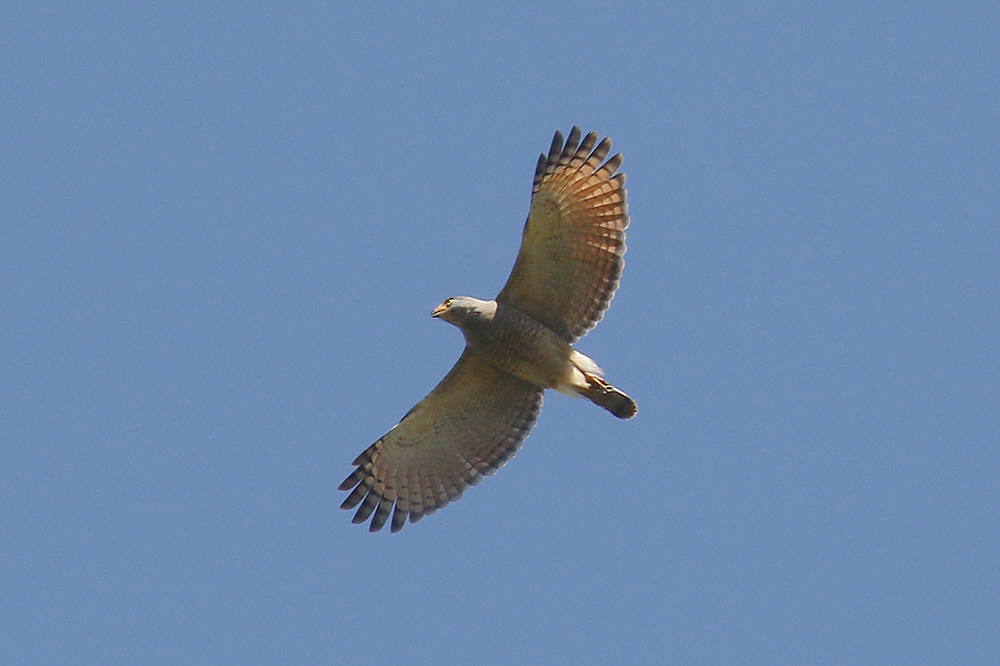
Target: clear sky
(223, 227)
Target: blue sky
(225, 226)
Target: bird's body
(517, 345)
(512, 341)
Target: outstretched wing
(466, 428)
(573, 244)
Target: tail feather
(607, 396)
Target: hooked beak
(436, 312)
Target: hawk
(516, 345)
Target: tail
(607, 396)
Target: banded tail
(607, 396)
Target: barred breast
(524, 347)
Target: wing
(466, 428)
(573, 244)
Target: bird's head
(461, 310)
